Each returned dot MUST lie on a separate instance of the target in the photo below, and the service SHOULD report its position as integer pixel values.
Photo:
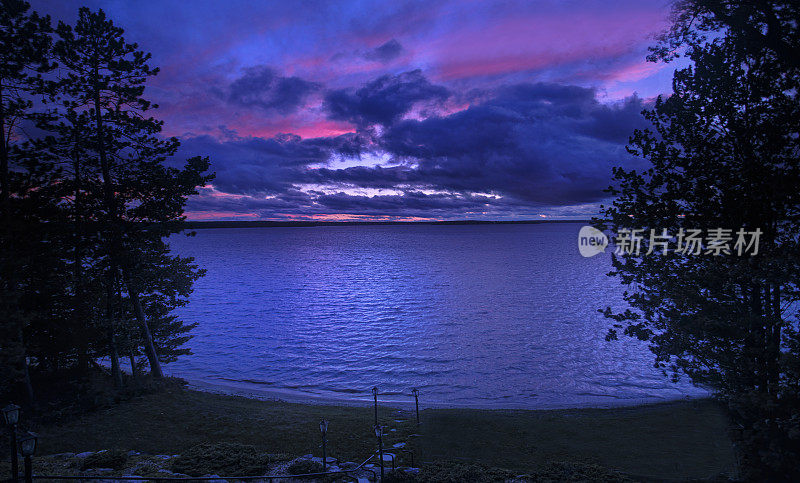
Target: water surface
(498, 316)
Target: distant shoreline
(199, 225)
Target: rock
(399, 445)
(393, 430)
(133, 453)
(162, 456)
(213, 480)
(85, 454)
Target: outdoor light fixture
(27, 447)
(11, 417)
(323, 427)
(11, 414)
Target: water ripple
(499, 316)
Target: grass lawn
(676, 440)
(671, 440)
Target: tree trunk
(149, 348)
(116, 372)
(26, 375)
(132, 360)
(80, 302)
(775, 338)
(116, 242)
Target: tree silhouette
(724, 153)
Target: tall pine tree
(142, 199)
(724, 152)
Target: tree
(723, 150)
(141, 198)
(90, 192)
(24, 46)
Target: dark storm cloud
(257, 165)
(519, 146)
(383, 100)
(263, 87)
(544, 143)
(386, 52)
(410, 202)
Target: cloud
(384, 100)
(257, 166)
(544, 143)
(386, 52)
(263, 87)
(517, 148)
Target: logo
(591, 241)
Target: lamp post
(11, 417)
(27, 446)
(379, 435)
(323, 427)
(375, 395)
(415, 392)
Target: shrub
(565, 471)
(106, 459)
(224, 459)
(451, 472)
(148, 468)
(301, 467)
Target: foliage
(723, 152)
(568, 471)
(450, 472)
(106, 459)
(24, 42)
(87, 200)
(304, 466)
(224, 459)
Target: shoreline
(662, 441)
(407, 403)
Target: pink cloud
(535, 42)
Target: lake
(490, 316)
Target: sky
(395, 110)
